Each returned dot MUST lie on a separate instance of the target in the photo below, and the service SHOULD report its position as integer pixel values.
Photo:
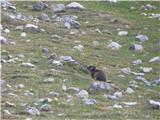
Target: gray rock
(130, 103)
(2, 83)
(126, 71)
(136, 47)
(154, 104)
(117, 106)
(137, 62)
(39, 6)
(55, 38)
(56, 8)
(45, 50)
(54, 94)
(3, 40)
(79, 47)
(130, 90)
(32, 111)
(72, 90)
(44, 17)
(118, 94)
(19, 27)
(28, 65)
(111, 97)
(46, 107)
(101, 86)
(157, 82)
(57, 63)
(45, 100)
(28, 94)
(68, 59)
(7, 5)
(155, 59)
(123, 33)
(75, 5)
(142, 38)
(48, 80)
(20, 86)
(90, 101)
(133, 86)
(148, 7)
(83, 94)
(7, 112)
(146, 69)
(31, 28)
(114, 46)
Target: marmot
(97, 74)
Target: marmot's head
(91, 68)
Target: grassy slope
(75, 76)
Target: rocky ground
(46, 46)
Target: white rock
(154, 104)
(75, 5)
(3, 40)
(68, 59)
(48, 80)
(142, 38)
(6, 112)
(130, 90)
(126, 71)
(90, 101)
(28, 94)
(137, 62)
(136, 47)
(122, 33)
(117, 106)
(20, 27)
(111, 97)
(20, 86)
(73, 89)
(146, 69)
(79, 47)
(23, 34)
(57, 63)
(29, 65)
(118, 94)
(6, 31)
(154, 59)
(58, 8)
(46, 107)
(130, 103)
(28, 119)
(114, 46)
(2, 83)
(83, 94)
(32, 111)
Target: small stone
(130, 90)
(39, 6)
(136, 47)
(69, 98)
(126, 71)
(142, 38)
(137, 62)
(155, 59)
(56, 8)
(19, 27)
(79, 47)
(90, 101)
(72, 90)
(48, 80)
(54, 94)
(75, 5)
(3, 40)
(29, 94)
(20, 86)
(44, 17)
(57, 63)
(118, 94)
(133, 86)
(117, 106)
(2, 83)
(83, 94)
(114, 46)
(45, 50)
(31, 27)
(68, 59)
(9, 104)
(111, 97)
(29, 65)
(157, 82)
(122, 33)
(55, 38)
(148, 7)
(6, 31)
(32, 111)
(23, 34)
(6, 113)
(146, 69)
(45, 100)
(154, 104)
(46, 107)
(130, 103)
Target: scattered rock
(136, 47)
(54, 94)
(148, 7)
(111, 97)
(7, 5)
(19, 27)
(117, 106)
(45, 50)
(130, 90)
(32, 111)
(20, 86)
(31, 28)
(39, 6)
(130, 103)
(28, 94)
(6, 30)
(155, 59)
(68, 59)
(9, 104)
(46, 107)
(72, 90)
(3, 40)
(55, 38)
(83, 94)
(56, 8)
(146, 69)
(44, 17)
(137, 62)
(2, 83)
(29, 65)
(23, 34)
(7, 112)
(75, 5)
(142, 38)
(45, 100)
(126, 71)
(143, 80)
(48, 80)
(57, 63)
(79, 47)
(157, 82)
(122, 33)
(114, 46)
(154, 104)
(90, 101)
(118, 94)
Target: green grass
(99, 56)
